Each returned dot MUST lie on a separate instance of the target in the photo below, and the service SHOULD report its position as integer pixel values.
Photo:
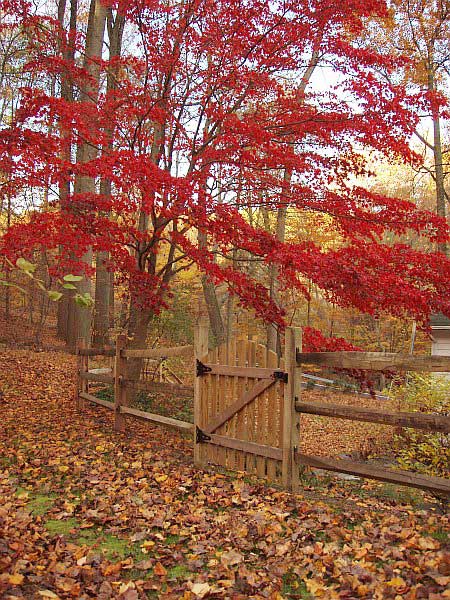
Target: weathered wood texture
(428, 422)
(201, 332)
(375, 361)
(160, 352)
(291, 421)
(240, 409)
(79, 372)
(96, 400)
(106, 351)
(240, 371)
(160, 419)
(424, 482)
(120, 393)
(98, 377)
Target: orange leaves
(106, 531)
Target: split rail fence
(247, 404)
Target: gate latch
(202, 369)
(201, 436)
(280, 376)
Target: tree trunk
(273, 334)
(441, 207)
(437, 154)
(103, 278)
(65, 306)
(211, 300)
(88, 152)
(102, 298)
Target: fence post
(120, 364)
(291, 419)
(201, 332)
(81, 385)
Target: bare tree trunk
(103, 278)
(64, 305)
(112, 303)
(211, 300)
(86, 153)
(441, 207)
(8, 275)
(273, 334)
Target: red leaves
(204, 118)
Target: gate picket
(262, 416)
(241, 412)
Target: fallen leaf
(159, 570)
(16, 579)
(200, 589)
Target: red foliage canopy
(211, 106)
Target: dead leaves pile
(87, 513)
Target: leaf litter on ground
(90, 513)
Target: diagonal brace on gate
(249, 396)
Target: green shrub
(418, 450)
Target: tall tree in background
(103, 280)
(420, 30)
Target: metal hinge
(280, 376)
(202, 369)
(201, 436)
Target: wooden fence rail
(247, 404)
(118, 377)
(428, 422)
(376, 361)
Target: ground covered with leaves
(89, 513)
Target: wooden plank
(211, 400)
(291, 421)
(221, 401)
(274, 417)
(120, 393)
(424, 482)
(99, 377)
(105, 351)
(241, 384)
(200, 350)
(79, 383)
(232, 390)
(96, 400)
(249, 410)
(159, 352)
(245, 446)
(167, 421)
(156, 386)
(376, 361)
(241, 370)
(261, 416)
(428, 422)
(248, 396)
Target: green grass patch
(322, 536)
(172, 540)
(396, 493)
(64, 527)
(293, 587)
(41, 504)
(89, 537)
(114, 547)
(179, 572)
(441, 535)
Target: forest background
(262, 163)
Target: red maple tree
(214, 102)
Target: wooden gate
(240, 417)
